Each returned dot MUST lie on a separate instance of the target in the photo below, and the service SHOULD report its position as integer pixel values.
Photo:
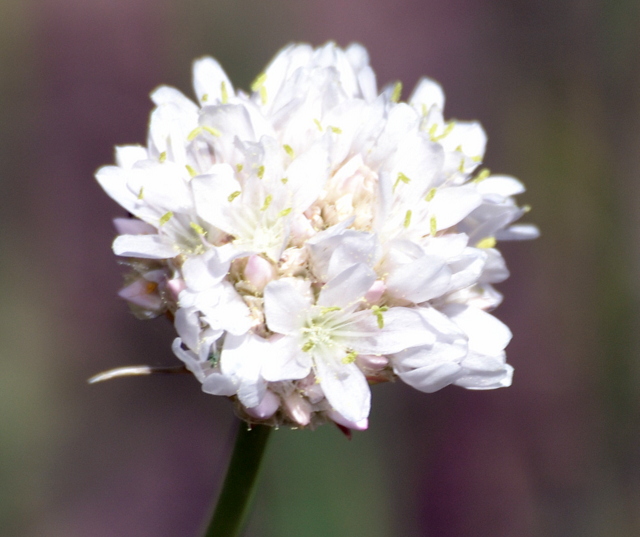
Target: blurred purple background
(556, 86)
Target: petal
(286, 303)
(423, 279)
(348, 287)
(427, 93)
(403, 328)
(144, 246)
(286, 361)
(241, 359)
(483, 372)
(345, 387)
(208, 80)
(487, 335)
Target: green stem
(239, 485)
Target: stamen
(289, 150)
(407, 219)
(205, 97)
(402, 178)
(267, 202)
(284, 180)
(482, 175)
(378, 311)
(260, 172)
(239, 167)
(433, 226)
(163, 156)
(318, 124)
(336, 130)
(350, 358)
(141, 193)
(284, 212)
(198, 228)
(224, 95)
(234, 195)
(488, 242)
(329, 309)
(431, 194)
(258, 82)
(191, 171)
(308, 346)
(165, 218)
(397, 91)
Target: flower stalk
(239, 485)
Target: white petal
(483, 372)
(113, 181)
(307, 175)
(208, 78)
(345, 387)
(286, 361)
(518, 232)
(450, 205)
(428, 93)
(423, 279)
(403, 328)
(286, 303)
(502, 185)
(348, 287)
(144, 246)
(241, 359)
(487, 335)
(219, 384)
(128, 155)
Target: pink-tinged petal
(431, 377)
(286, 303)
(143, 246)
(259, 272)
(375, 292)
(286, 361)
(361, 425)
(267, 407)
(348, 287)
(190, 360)
(345, 387)
(142, 293)
(298, 409)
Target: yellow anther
(198, 228)
(425, 110)
(263, 95)
(431, 194)
(482, 175)
(224, 95)
(205, 98)
(258, 82)
(284, 180)
(307, 346)
(289, 150)
(477, 158)
(407, 219)
(397, 92)
(350, 358)
(402, 178)
(488, 242)
(378, 311)
(432, 130)
(191, 171)
(141, 193)
(526, 208)
(267, 202)
(433, 225)
(329, 309)
(234, 195)
(165, 218)
(336, 130)
(318, 124)
(195, 132)
(260, 172)
(212, 130)
(284, 212)
(447, 130)
(163, 156)
(239, 167)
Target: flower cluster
(315, 236)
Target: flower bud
(267, 407)
(259, 272)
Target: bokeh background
(555, 84)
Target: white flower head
(315, 236)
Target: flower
(315, 236)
